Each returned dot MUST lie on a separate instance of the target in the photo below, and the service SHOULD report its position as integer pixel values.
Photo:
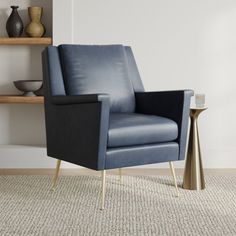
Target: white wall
(177, 44)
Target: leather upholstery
(98, 69)
(88, 98)
(184, 126)
(84, 86)
(56, 82)
(76, 126)
(128, 129)
(171, 104)
(133, 71)
(141, 155)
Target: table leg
(193, 174)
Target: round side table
(193, 173)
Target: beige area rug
(141, 205)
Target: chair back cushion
(92, 69)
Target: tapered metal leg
(120, 174)
(103, 189)
(174, 177)
(56, 174)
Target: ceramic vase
(35, 28)
(14, 25)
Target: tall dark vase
(14, 24)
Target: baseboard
(125, 171)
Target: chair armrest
(171, 104)
(77, 127)
(77, 99)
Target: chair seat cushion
(127, 129)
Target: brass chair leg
(56, 174)
(120, 174)
(103, 189)
(174, 177)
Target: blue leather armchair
(99, 116)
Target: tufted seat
(129, 129)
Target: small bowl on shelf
(28, 86)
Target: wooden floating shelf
(26, 41)
(14, 99)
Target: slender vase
(35, 28)
(14, 25)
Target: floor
(139, 205)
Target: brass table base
(193, 174)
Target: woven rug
(140, 205)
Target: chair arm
(171, 104)
(77, 99)
(77, 127)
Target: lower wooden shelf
(18, 99)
